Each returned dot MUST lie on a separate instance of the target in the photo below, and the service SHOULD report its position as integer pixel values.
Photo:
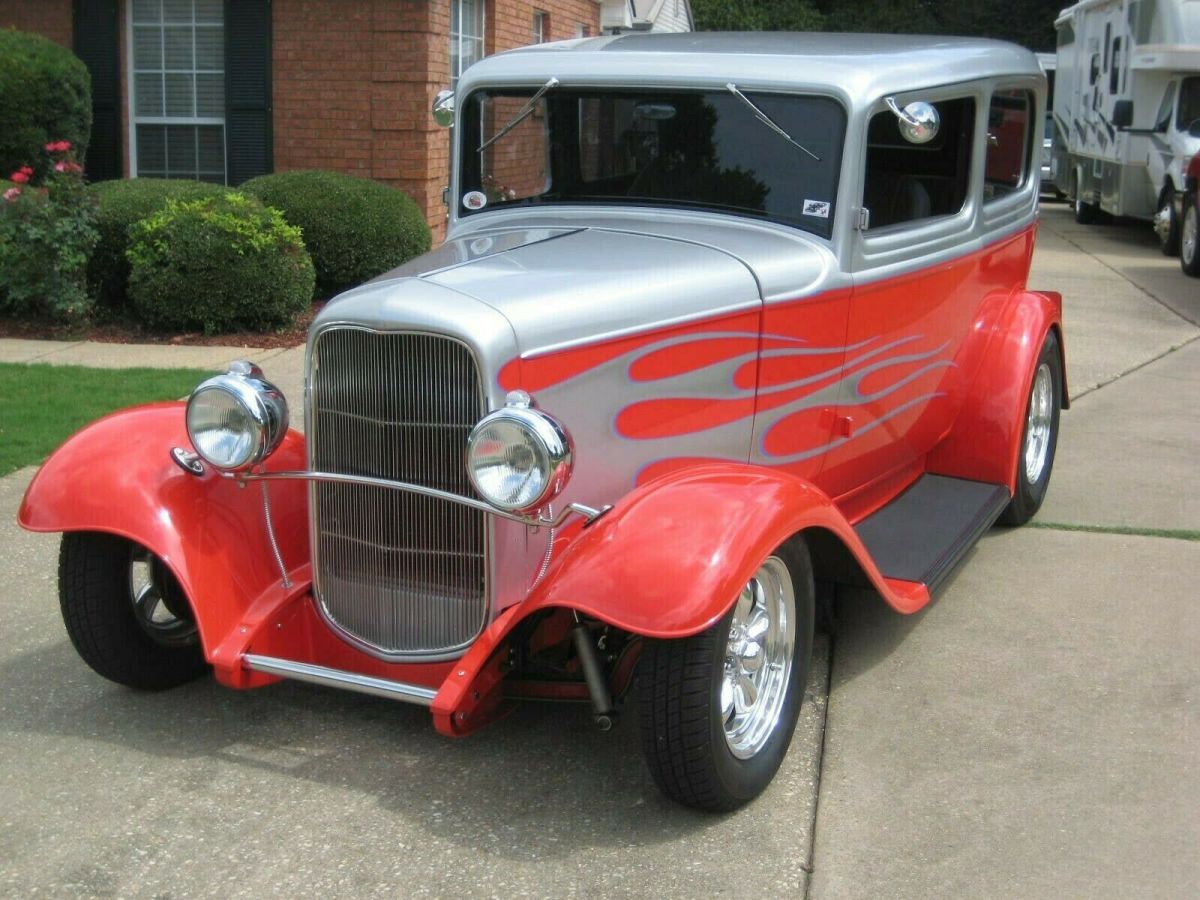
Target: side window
(909, 182)
(1114, 74)
(1008, 137)
(1163, 119)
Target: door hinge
(864, 219)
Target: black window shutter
(247, 89)
(96, 42)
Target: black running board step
(924, 533)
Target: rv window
(1114, 75)
(1163, 119)
(1095, 71)
(1189, 103)
(907, 182)
(1008, 136)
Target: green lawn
(41, 405)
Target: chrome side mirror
(443, 109)
(919, 121)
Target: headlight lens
(518, 458)
(236, 420)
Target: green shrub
(120, 205)
(47, 232)
(45, 95)
(353, 227)
(218, 264)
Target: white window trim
(133, 120)
(458, 5)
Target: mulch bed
(132, 333)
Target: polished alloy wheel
(1038, 424)
(159, 611)
(1188, 238)
(758, 659)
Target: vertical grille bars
(402, 573)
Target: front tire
(717, 710)
(1189, 237)
(126, 613)
(1039, 438)
(1166, 223)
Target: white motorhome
(1127, 108)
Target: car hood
(560, 285)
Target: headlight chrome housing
(519, 458)
(236, 420)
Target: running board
(924, 534)
(347, 681)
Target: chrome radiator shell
(402, 576)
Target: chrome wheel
(1038, 424)
(758, 659)
(1188, 238)
(158, 606)
(1163, 220)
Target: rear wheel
(1189, 258)
(1166, 223)
(1039, 439)
(126, 613)
(1086, 213)
(718, 709)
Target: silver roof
(861, 67)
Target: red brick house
(224, 90)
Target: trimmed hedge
(354, 228)
(45, 95)
(122, 204)
(219, 264)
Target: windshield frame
(469, 179)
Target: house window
(177, 96)
(466, 36)
(541, 27)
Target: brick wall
(49, 18)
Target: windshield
(1189, 103)
(690, 149)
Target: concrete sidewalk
(1034, 732)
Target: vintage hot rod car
(723, 322)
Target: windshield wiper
(520, 117)
(767, 120)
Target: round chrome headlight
(236, 420)
(518, 458)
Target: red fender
(668, 561)
(986, 439)
(117, 476)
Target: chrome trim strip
(588, 512)
(350, 681)
(368, 481)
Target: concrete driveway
(1032, 733)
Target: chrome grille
(402, 573)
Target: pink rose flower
(12, 194)
(20, 176)
(58, 146)
(72, 168)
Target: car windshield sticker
(474, 200)
(818, 208)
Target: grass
(42, 405)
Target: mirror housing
(1122, 115)
(919, 121)
(443, 109)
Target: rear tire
(1086, 213)
(1189, 237)
(126, 613)
(1039, 437)
(717, 710)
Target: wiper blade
(520, 117)
(767, 120)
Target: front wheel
(126, 613)
(1189, 258)
(718, 709)
(1166, 223)
(1039, 439)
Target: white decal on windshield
(818, 208)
